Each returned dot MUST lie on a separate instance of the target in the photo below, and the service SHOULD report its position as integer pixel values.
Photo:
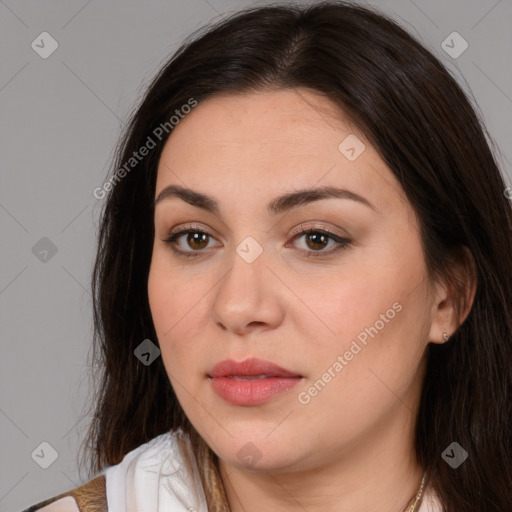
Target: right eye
(197, 239)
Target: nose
(248, 297)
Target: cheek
(177, 310)
(165, 303)
(343, 304)
(168, 294)
(373, 312)
(160, 296)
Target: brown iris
(194, 239)
(318, 239)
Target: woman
(302, 281)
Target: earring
(445, 336)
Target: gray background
(60, 119)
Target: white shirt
(153, 478)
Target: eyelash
(342, 242)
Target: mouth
(251, 382)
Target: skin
(350, 448)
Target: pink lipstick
(251, 382)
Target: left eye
(316, 240)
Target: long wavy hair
(426, 130)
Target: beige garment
(90, 497)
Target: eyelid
(314, 226)
(187, 227)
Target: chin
(258, 452)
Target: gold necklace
(413, 505)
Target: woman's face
(348, 315)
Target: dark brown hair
(425, 129)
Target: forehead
(272, 141)
(249, 122)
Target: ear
(453, 296)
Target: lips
(251, 382)
(250, 368)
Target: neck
(377, 473)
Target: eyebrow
(278, 205)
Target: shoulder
(90, 497)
